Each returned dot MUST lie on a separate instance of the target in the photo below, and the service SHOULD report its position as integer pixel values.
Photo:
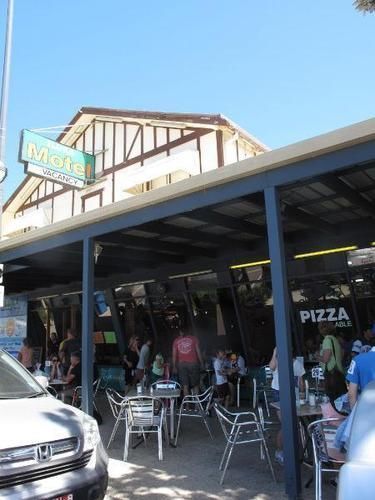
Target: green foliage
(365, 5)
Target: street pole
(4, 99)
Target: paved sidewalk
(190, 471)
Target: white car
(48, 450)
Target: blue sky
(283, 70)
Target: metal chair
(53, 391)
(261, 386)
(240, 428)
(117, 405)
(197, 406)
(77, 394)
(144, 414)
(326, 459)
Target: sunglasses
(55, 360)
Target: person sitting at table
(221, 371)
(237, 369)
(57, 370)
(298, 371)
(157, 370)
(74, 377)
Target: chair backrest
(225, 418)
(141, 411)
(77, 396)
(229, 421)
(115, 400)
(205, 398)
(263, 375)
(52, 391)
(166, 384)
(318, 433)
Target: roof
(183, 224)
(193, 118)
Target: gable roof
(215, 120)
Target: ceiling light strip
(325, 252)
(251, 264)
(187, 275)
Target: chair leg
(227, 462)
(265, 447)
(160, 443)
(114, 430)
(238, 394)
(144, 436)
(126, 446)
(207, 426)
(266, 403)
(178, 426)
(165, 425)
(224, 455)
(318, 485)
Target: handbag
(334, 380)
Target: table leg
(171, 418)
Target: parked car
(48, 450)
(356, 478)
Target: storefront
(202, 248)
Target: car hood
(37, 420)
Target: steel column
(292, 472)
(87, 325)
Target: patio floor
(190, 471)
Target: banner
(13, 324)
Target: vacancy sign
(54, 161)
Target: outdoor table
(170, 395)
(304, 413)
(303, 410)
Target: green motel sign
(54, 161)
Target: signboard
(13, 324)
(54, 161)
(331, 314)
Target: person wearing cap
(356, 348)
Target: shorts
(138, 376)
(189, 374)
(223, 390)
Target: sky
(283, 70)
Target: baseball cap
(356, 347)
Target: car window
(15, 381)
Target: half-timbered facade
(135, 152)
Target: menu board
(13, 323)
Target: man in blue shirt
(361, 371)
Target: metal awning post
(292, 472)
(87, 325)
